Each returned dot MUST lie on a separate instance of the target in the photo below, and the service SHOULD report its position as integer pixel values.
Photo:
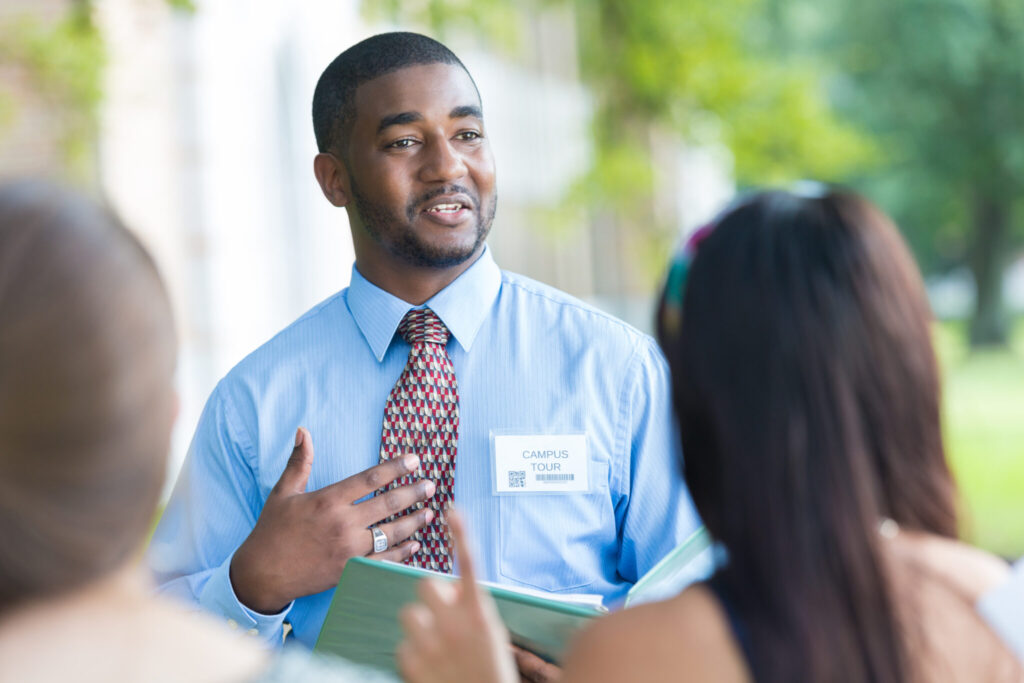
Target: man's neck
(412, 284)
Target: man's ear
(332, 175)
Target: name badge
(540, 463)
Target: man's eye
(469, 135)
(402, 144)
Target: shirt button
(232, 623)
(253, 632)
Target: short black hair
(334, 108)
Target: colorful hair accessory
(675, 284)
(670, 314)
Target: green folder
(692, 560)
(362, 622)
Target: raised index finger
(369, 480)
(461, 547)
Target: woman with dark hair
(807, 394)
(87, 357)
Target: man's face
(421, 173)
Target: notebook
(362, 621)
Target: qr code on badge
(517, 479)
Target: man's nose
(443, 163)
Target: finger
(420, 650)
(296, 471)
(534, 669)
(409, 663)
(436, 594)
(418, 624)
(405, 526)
(522, 664)
(461, 547)
(470, 591)
(369, 480)
(398, 553)
(394, 501)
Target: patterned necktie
(421, 416)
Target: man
(433, 375)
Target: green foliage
(183, 5)
(620, 177)
(497, 21)
(665, 70)
(690, 66)
(784, 129)
(65, 62)
(940, 85)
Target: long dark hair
(807, 394)
(87, 356)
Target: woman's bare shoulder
(973, 571)
(685, 637)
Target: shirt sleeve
(1003, 609)
(656, 513)
(212, 510)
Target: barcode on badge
(517, 479)
(556, 477)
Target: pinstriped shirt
(528, 359)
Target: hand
(533, 669)
(301, 541)
(455, 634)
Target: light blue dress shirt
(528, 359)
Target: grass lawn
(984, 427)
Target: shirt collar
(461, 306)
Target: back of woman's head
(807, 394)
(87, 354)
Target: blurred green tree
(667, 70)
(64, 62)
(940, 84)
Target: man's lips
(445, 208)
(448, 209)
(448, 203)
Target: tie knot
(423, 325)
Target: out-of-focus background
(618, 126)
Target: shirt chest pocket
(559, 542)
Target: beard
(395, 231)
